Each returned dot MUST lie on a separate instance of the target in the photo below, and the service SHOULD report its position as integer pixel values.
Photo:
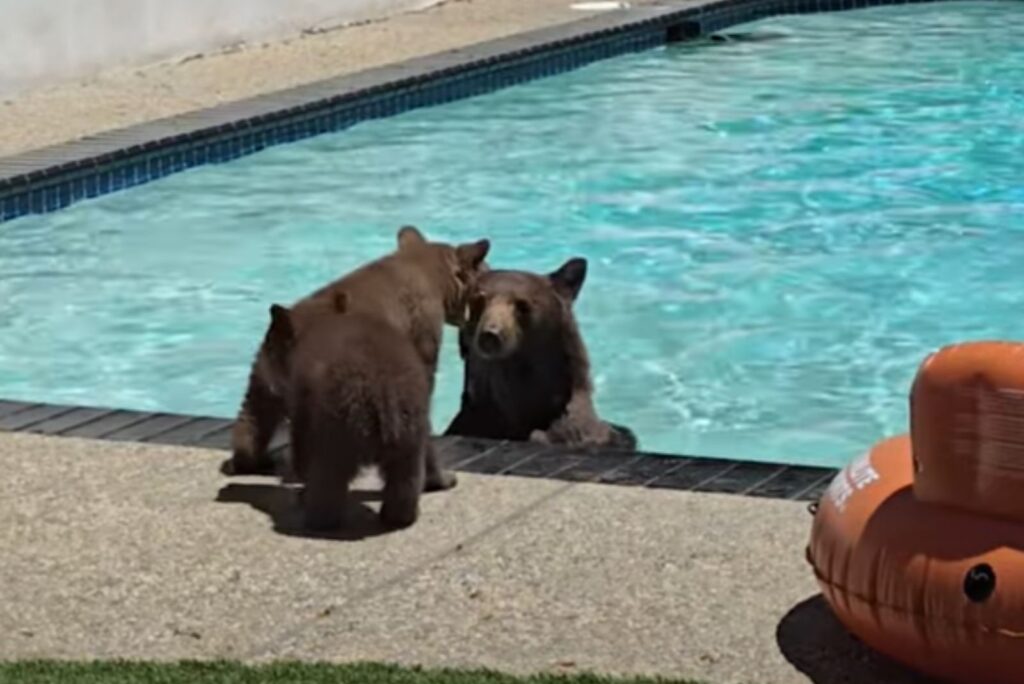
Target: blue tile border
(50, 179)
(487, 457)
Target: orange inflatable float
(918, 545)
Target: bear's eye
(476, 304)
(522, 309)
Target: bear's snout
(488, 342)
(497, 330)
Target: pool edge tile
(53, 177)
(469, 455)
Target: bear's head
(285, 329)
(455, 266)
(509, 310)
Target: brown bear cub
(412, 292)
(356, 394)
(527, 373)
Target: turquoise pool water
(778, 231)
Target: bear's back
(360, 373)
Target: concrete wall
(43, 41)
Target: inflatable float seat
(918, 545)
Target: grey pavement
(119, 550)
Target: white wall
(43, 41)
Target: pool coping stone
(463, 454)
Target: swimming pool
(778, 231)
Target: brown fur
(357, 395)
(527, 373)
(415, 290)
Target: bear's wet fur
(414, 291)
(527, 372)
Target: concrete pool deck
(122, 97)
(123, 550)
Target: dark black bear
(527, 374)
(416, 289)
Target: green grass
(189, 672)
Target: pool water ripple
(778, 232)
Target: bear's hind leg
(328, 475)
(404, 472)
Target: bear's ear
(409, 236)
(568, 279)
(472, 254)
(340, 301)
(280, 323)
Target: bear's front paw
(399, 513)
(444, 479)
(539, 436)
(244, 463)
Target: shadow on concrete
(281, 504)
(816, 644)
